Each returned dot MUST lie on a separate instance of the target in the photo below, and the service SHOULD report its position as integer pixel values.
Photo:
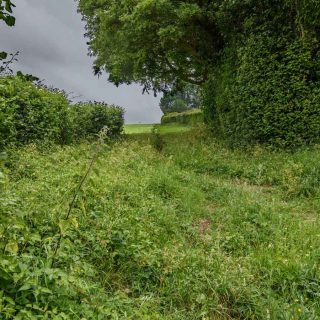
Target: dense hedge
(270, 95)
(91, 117)
(29, 113)
(266, 86)
(190, 117)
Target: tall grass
(197, 231)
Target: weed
(156, 139)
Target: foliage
(201, 232)
(257, 61)
(31, 113)
(91, 117)
(156, 139)
(6, 7)
(270, 95)
(180, 100)
(191, 117)
(153, 42)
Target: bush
(90, 117)
(191, 117)
(29, 113)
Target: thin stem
(75, 195)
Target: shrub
(29, 113)
(191, 117)
(90, 117)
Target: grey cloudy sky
(49, 36)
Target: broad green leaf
(10, 21)
(3, 55)
(26, 287)
(12, 247)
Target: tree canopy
(154, 42)
(160, 42)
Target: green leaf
(9, 300)
(45, 290)
(9, 6)
(10, 21)
(3, 55)
(12, 247)
(26, 287)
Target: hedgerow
(190, 117)
(265, 88)
(90, 117)
(268, 92)
(31, 113)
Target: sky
(49, 34)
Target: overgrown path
(196, 231)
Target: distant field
(147, 128)
(137, 128)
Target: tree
(180, 100)
(162, 42)
(154, 42)
(257, 62)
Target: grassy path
(197, 231)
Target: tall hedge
(29, 113)
(267, 91)
(90, 117)
(265, 87)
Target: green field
(197, 231)
(147, 128)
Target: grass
(197, 231)
(147, 128)
(137, 128)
